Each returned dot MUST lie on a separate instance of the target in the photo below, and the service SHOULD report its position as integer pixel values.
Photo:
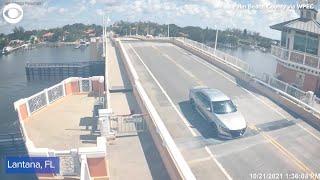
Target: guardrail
(285, 87)
(231, 60)
(172, 152)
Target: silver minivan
(216, 107)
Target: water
(260, 61)
(13, 83)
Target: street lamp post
(215, 44)
(105, 25)
(137, 29)
(168, 30)
(103, 36)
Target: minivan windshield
(223, 107)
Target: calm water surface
(261, 62)
(13, 83)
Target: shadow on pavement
(204, 127)
(152, 155)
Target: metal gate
(127, 125)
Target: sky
(254, 15)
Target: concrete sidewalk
(130, 157)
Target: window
(283, 38)
(308, 15)
(204, 99)
(312, 44)
(223, 107)
(299, 42)
(306, 43)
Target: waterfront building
(47, 36)
(298, 52)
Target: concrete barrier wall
(247, 80)
(173, 160)
(70, 86)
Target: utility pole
(168, 30)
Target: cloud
(92, 2)
(221, 13)
(62, 10)
(99, 12)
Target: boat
(82, 43)
(7, 49)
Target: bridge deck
(276, 141)
(63, 125)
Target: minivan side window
(203, 98)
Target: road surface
(277, 143)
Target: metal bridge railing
(285, 87)
(299, 96)
(234, 61)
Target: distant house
(47, 36)
(90, 32)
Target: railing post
(63, 88)
(28, 107)
(47, 96)
(289, 56)
(269, 80)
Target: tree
(18, 33)
(245, 32)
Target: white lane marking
(218, 163)
(210, 66)
(181, 116)
(165, 93)
(198, 81)
(314, 135)
(194, 161)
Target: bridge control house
(299, 51)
